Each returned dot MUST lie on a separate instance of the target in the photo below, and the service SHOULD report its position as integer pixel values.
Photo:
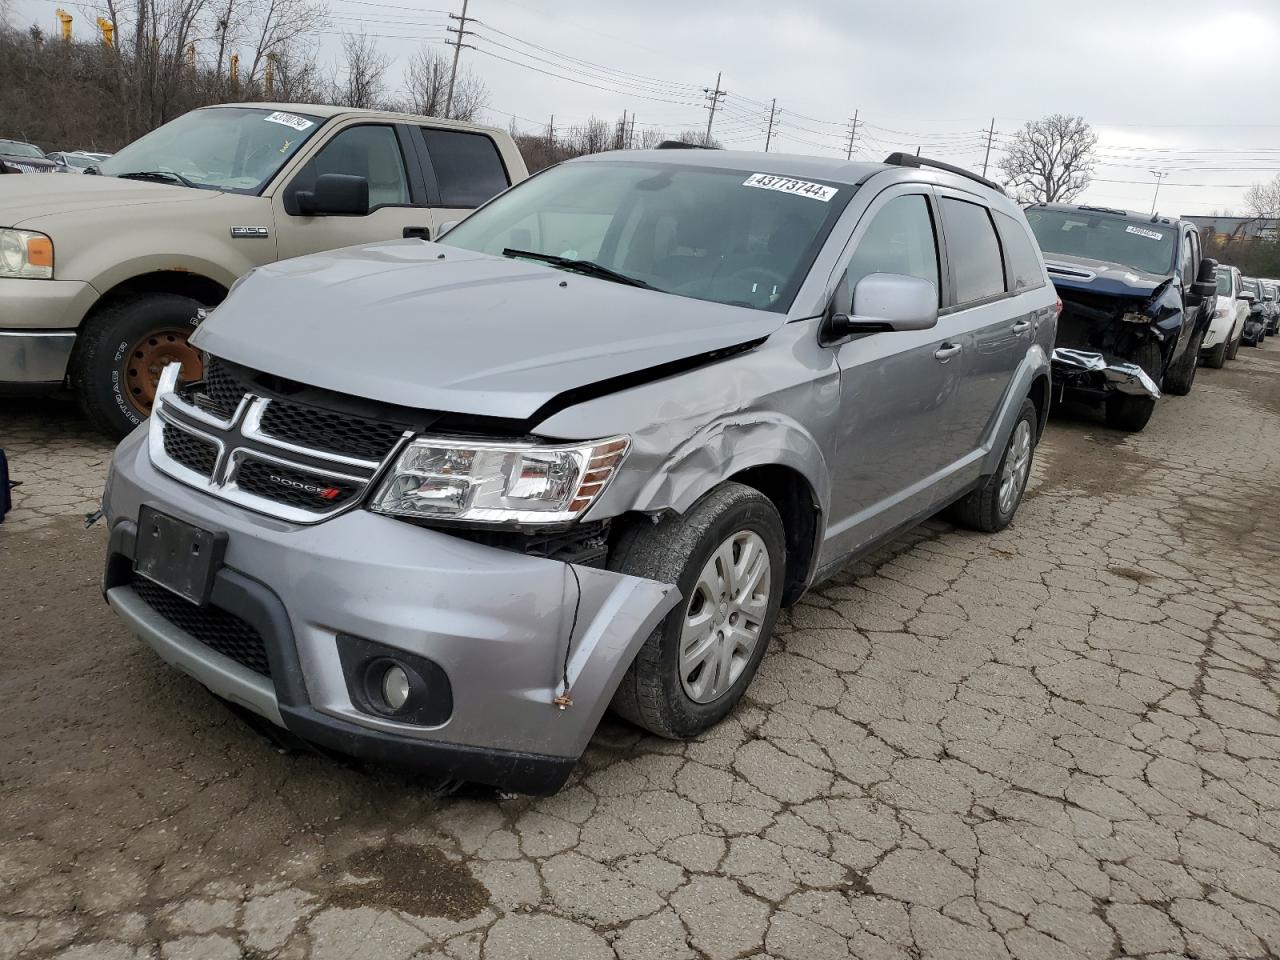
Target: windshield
(728, 236)
(78, 160)
(1224, 282)
(16, 148)
(1138, 244)
(237, 149)
(1250, 287)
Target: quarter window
(973, 251)
(900, 240)
(1025, 269)
(467, 166)
(370, 151)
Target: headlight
(25, 253)
(1132, 317)
(481, 482)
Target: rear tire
(991, 507)
(1182, 374)
(120, 351)
(668, 690)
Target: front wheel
(1182, 374)
(1125, 412)
(121, 352)
(1218, 355)
(727, 556)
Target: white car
(1222, 340)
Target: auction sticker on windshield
(290, 120)
(1144, 232)
(801, 188)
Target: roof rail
(681, 145)
(900, 159)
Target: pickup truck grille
(297, 461)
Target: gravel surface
(1059, 741)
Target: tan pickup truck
(103, 277)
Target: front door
(894, 444)
(374, 151)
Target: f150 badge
(249, 233)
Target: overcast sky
(1184, 87)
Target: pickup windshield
(1138, 244)
(237, 149)
(728, 236)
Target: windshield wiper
(166, 176)
(588, 267)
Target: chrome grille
(235, 456)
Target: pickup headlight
(25, 253)
(498, 483)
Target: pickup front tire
(122, 349)
(727, 556)
(1182, 374)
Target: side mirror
(335, 194)
(446, 227)
(1247, 297)
(1206, 284)
(887, 302)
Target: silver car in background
(458, 498)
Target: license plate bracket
(177, 555)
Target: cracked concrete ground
(1059, 741)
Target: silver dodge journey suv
(445, 503)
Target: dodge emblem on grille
(326, 493)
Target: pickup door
(419, 178)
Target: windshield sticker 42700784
(801, 188)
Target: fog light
(395, 687)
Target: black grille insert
(190, 451)
(219, 392)
(294, 488)
(319, 429)
(214, 627)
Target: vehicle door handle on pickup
(422, 233)
(1022, 326)
(946, 352)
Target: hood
(23, 199)
(1099, 276)
(435, 327)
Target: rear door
(383, 154)
(463, 169)
(987, 313)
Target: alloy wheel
(724, 617)
(1017, 465)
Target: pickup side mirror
(335, 195)
(1206, 284)
(446, 227)
(887, 302)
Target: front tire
(991, 507)
(1182, 374)
(121, 351)
(1218, 355)
(727, 556)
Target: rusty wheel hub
(149, 356)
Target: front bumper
(1091, 373)
(37, 328)
(495, 621)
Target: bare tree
(5, 8)
(364, 79)
(427, 86)
(594, 136)
(649, 138)
(1050, 159)
(1262, 200)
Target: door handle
(1022, 326)
(422, 233)
(946, 352)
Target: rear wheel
(727, 556)
(1182, 374)
(121, 352)
(991, 507)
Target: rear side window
(1025, 269)
(973, 251)
(468, 168)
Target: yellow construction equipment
(270, 76)
(108, 31)
(234, 71)
(64, 23)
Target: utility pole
(991, 132)
(1159, 176)
(461, 31)
(551, 131)
(768, 137)
(631, 136)
(713, 97)
(853, 132)
(621, 134)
